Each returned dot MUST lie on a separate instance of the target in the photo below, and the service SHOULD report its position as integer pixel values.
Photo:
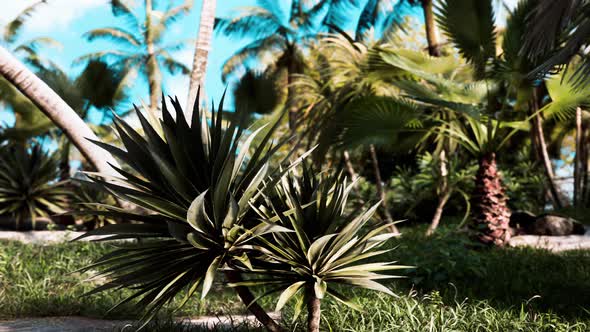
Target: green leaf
(210, 276)
(288, 293)
(196, 215)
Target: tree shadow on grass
(505, 277)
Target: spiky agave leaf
(328, 246)
(196, 181)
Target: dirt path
(82, 324)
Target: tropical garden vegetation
(373, 171)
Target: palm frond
(113, 34)
(392, 122)
(12, 28)
(125, 9)
(565, 97)
(251, 51)
(253, 21)
(174, 14)
(470, 26)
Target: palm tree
(559, 28)
(202, 48)
(142, 44)
(383, 10)
(278, 41)
(56, 109)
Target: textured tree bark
(202, 48)
(248, 299)
(57, 110)
(429, 23)
(153, 70)
(313, 312)
(381, 190)
(490, 212)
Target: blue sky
(67, 20)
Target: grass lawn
(454, 287)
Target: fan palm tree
(509, 72)
(142, 46)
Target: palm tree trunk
(578, 159)
(153, 70)
(249, 300)
(293, 114)
(202, 48)
(546, 161)
(431, 35)
(349, 167)
(434, 50)
(313, 311)
(57, 110)
(381, 190)
(490, 212)
(543, 154)
(584, 161)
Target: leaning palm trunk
(434, 50)
(443, 195)
(249, 300)
(57, 110)
(490, 213)
(202, 48)
(381, 190)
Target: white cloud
(53, 15)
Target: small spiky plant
(197, 182)
(28, 184)
(327, 248)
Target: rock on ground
(552, 243)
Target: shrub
(28, 184)
(200, 185)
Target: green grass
(455, 286)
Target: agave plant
(197, 182)
(28, 184)
(327, 248)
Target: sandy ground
(82, 324)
